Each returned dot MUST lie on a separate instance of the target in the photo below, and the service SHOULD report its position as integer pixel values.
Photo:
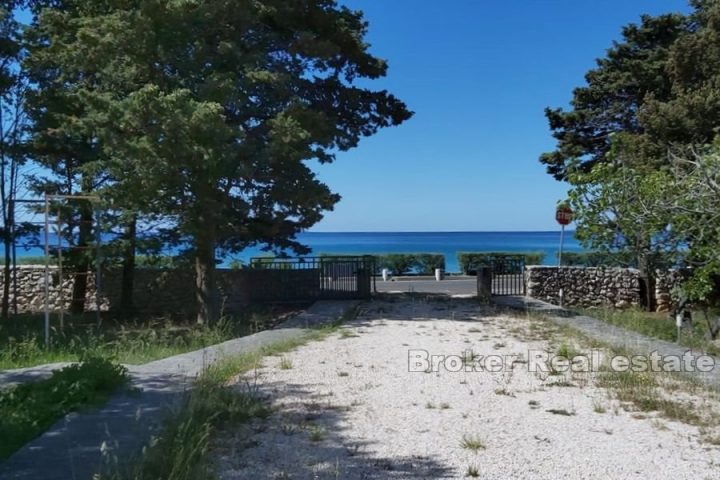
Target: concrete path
(612, 335)
(72, 448)
(29, 374)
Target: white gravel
(349, 408)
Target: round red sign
(564, 215)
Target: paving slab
(72, 449)
(613, 335)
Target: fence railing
(310, 278)
(507, 274)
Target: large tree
(633, 69)
(13, 127)
(612, 102)
(208, 111)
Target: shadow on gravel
(307, 440)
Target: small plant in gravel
(316, 433)
(472, 471)
(348, 334)
(429, 405)
(504, 391)
(444, 406)
(343, 374)
(285, 363)
(598, 406)
(567, 351)
(560, 411)
(534, 404)
(472, 442)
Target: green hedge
(597, 259)
(468, 261)
(408, 263)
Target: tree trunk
(128, 271)
(205, 275)
(647, 283)
(82, 256)
(7, 243)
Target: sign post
(563, 215)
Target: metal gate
(508, 274)
(312, 278)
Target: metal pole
(58, 232)
(98, 265)
(47, 272)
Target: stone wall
(584, 286)
(666, 284)
(161, 291)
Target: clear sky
(478, 75)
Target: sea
(446, 243)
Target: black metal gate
(508, 272)
(312, 278)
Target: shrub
(426, 263)
(397, 263)
(469, 261)
(596, 259)
(409, 263)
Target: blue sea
(447, 243)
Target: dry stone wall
(584, 286)
(157, 291)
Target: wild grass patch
(29, 409)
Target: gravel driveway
(348, 407)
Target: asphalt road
(463, 286)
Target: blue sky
(478, 75)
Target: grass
(316, 433)
(658, 325)
(472, 471)
(285, 363)
(472, 442)
(644, 392)
(182, 450)
(131, 342)
(29, 409)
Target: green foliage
(29, 409)
(469, 261)
(426, 263)
(397, 263)
(204, 114)
(657, 325)
(134, 342)
(410, 263)
(598, 259)
(633, 70)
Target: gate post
(484, 284)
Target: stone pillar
(484, 284)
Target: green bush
(397, 263)
(29, 409)
(469, 261)
(410, 263)
(426, 263)
(597, 259)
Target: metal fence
(312, 278)
(508, 273)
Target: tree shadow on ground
(307, 439)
